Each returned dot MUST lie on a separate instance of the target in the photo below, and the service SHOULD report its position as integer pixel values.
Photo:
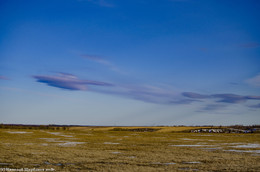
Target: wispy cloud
(255, 81)
(68, 81)
(250, 45)
(213, 107)
(203, 49)
(4, 78)
(145, 93)
(101, 60)
(225, 98)
(178, 0)
(255, 106)
(194, 95)
(102, 3)
(97, 59)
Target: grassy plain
(128, 149)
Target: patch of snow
(243, 151)
(59, 134)
(231, 143)
(51, 139)
(88, 134)
(54, 133)
(167, 163)
(201, 143)
(188, 139)
(111, 143)
(188, 145)
(250, 145)
(131, 157)
(70, 143)
(18, 132)
(193, 162)
(66, 135)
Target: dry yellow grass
(102, 149)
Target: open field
(127, 149)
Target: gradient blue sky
(145, 62)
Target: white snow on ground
(131, 157)
(188, 139)
(54, 133)
(111, 143)
(250, 145)
(59, 134)
(167, 163)
(70, 143)
(18, 132)
(52, 139)
(66, 135)
(194, 162)
(188, 145)
(60, 142)
(244, 151)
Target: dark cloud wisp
(146, 93)
(68, 81)
(225, 98)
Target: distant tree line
(34, 127)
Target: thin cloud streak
(68, 81)
(225, 98)
(102, 61)
(4, 78)
(148, 94)
(96, 58)
(255, 81)
(250, 45)
(101, 3)
(255, 106)
(213, 107)
(145, 93)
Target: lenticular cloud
(68, 81)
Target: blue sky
(112, 62)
